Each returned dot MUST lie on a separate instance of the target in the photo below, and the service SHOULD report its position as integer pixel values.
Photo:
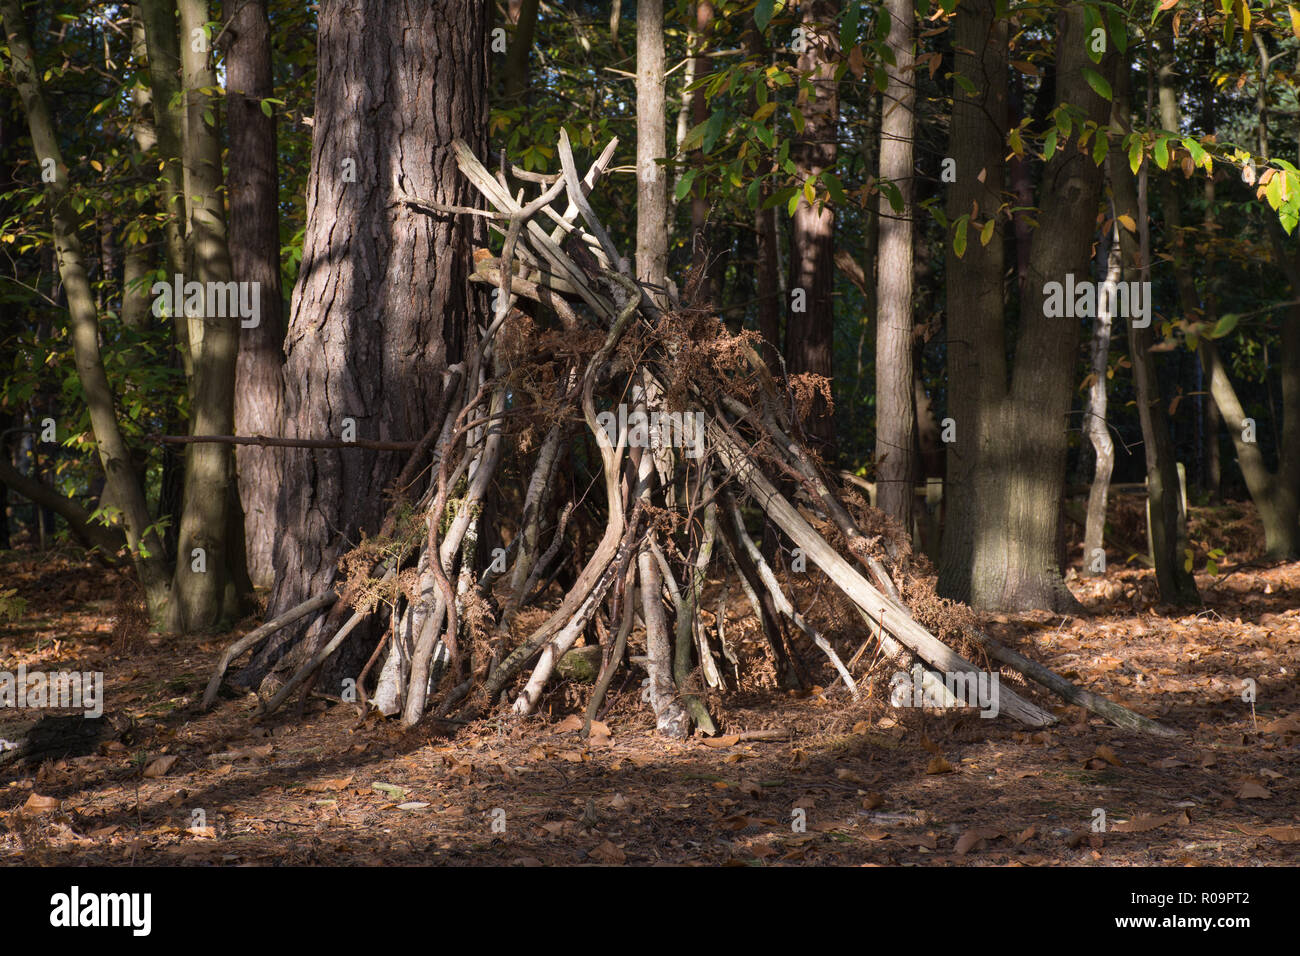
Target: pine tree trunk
(383, 301)
(977, 372)
(255, 258)
(809, 330)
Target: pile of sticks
(667, 517)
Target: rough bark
(976, 350)
(383, 301)
(809, 333)
(1021, 478)
(255, 258)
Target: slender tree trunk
(146, 549)
(210, 583)
(810, 323)
(767, 273)
(1095, 424)
(1163, 492)
(158, 18)
(255, 259)
(895, 414)
(383, 302)
(516, 67)
(700, 251)
(651, 191)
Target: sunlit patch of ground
(844, 782)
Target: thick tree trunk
(255, 258)
(810, 330)
(1016, 558)
(146, 549)
(383, 301)
(895, 414)
(977, 372)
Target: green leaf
(763, 14)
(1049, 144)
(684, 184)
(1100, 147)
(266, 107)
(712, 130)
(796, 117)
(849, 29)
(959, 236)
(986, 234)
(1097, 82)
(1135, 154)
(1161, 152)
(1226, 324)
(835, 188)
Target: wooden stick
(266, 441)
(255, 637)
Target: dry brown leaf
(568, 724)
(971, 838)
(1103, 752)
(1141, 824)
(159, 767)
(37, 803)
(607, 852)
(938, 765)
(1250, 790)
(334, 783)
(730, 740)
(1284, 834)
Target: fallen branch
(255, 637)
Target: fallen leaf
(971, 838)
(1103, 752)
(938, 765)
(390, 790)
(1284, 834)
(412, 805)
(36, 803)
(334, 783)
(1250, 790)
(607, 852)
(159, 767)
(1141, 824)
(568, 724)
(730, 740)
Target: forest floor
(156, 782)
